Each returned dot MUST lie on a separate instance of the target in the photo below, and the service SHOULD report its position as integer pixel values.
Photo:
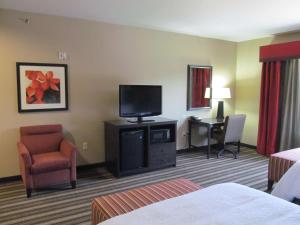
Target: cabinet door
(162, 154)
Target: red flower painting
(43, 89)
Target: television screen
(140, 100)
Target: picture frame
(199, 78)
(42, 87)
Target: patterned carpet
(63, 205)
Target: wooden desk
(209, 123)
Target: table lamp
(218, 93)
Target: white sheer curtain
(289, 133)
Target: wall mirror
(199, 78)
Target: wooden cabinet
(155, 155)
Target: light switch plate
(62, 56)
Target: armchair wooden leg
(73, 184)
(28, 192)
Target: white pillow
(288, 186)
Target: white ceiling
(234, 20)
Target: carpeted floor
(66, 206)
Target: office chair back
(233, 128)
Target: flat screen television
(140, 101)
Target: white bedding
(288, 186)
(222, 204)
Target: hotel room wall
(102, 56)
(248, 75)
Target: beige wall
(102, 56)
(248, 75)
(248, 85)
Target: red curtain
(280, 51)
(206, 83)
(269, 108)
(201, 80)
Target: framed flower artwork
(42, 87)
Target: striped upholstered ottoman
(279, 163)
(108, 206)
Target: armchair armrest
(24, 155)
(69, 150)
(25, 162)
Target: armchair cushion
(69, 150)
(41, 129)
(42, 143)
(48, 162)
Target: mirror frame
(189, 88)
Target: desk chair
(231, 133)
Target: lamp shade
(207, 93)
(218, 93)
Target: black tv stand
(140, 120)
(123, 139)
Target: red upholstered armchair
(45, 157)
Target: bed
(108, 206)
(221, 204)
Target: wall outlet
(84, 146)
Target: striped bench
(279, 163)
(108, 206)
